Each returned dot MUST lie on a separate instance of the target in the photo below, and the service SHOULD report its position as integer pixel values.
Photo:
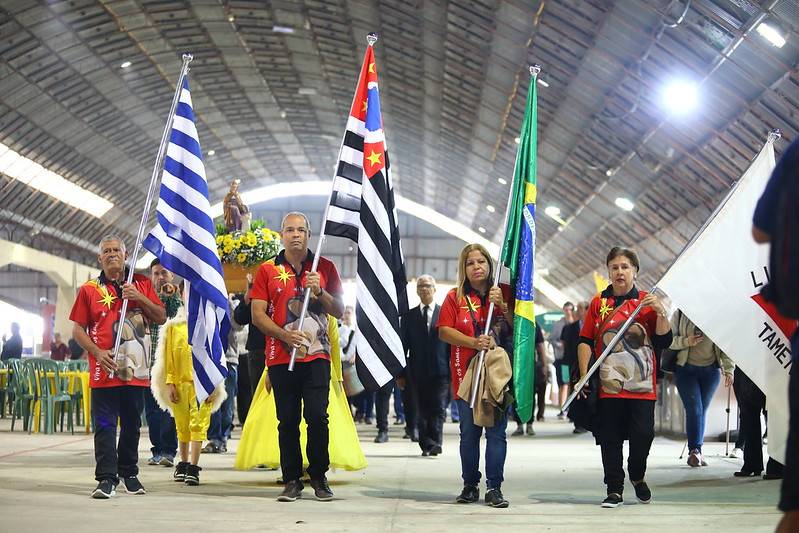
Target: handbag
(668, 357)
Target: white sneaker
(737, 453)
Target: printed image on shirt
(133, 360)
(630, 364)
(314, 325)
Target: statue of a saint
(237, 214)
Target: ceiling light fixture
(307, 91)
(211, 152)
(770, 33)
(502, 181)
(552, 211)
(231, 18)
(543, 83)
(517, 139)
(125, 64)
(481, 229)
(34, 175)
(490, 208)
(680, 96)
(282, 29)
(625, 203)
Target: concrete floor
(553, 481)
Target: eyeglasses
(424, 286)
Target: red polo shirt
(455, 314)
(282, 288)
(96, 309)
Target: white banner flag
(716, 282)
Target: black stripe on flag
(353, 140)
(350, 172)
(337, 229)
(346, 201)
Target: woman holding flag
(627, 377)
(461, 323)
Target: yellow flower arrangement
(249, 248)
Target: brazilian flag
(518, 253)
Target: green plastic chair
(79, 365)
(5, 389)
(23, 390)
(51, 397)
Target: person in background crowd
(697, 376)
(627, 377)
(12, 347)
(117, 383)
(461, 324)
(161, 426)
(561, 370)
(221, 425)
(751, 402)
(277, 297)
(539, 384)
(427, 367)
(570, 336)
(253, 362)
(58, 350)
(764, 225)
(76, 351)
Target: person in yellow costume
(172, 384)
(259, 443)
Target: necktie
(426, 315)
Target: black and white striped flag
(362, 209)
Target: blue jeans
(222, 420)
(161, 427)
(496, 448)
(696, 385)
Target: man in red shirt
(277, 297)
(58, 350)
(117, 383)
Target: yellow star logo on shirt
(604, 309)
(470, 305)
(365, 105)
(106, 297)
(283, 275)
(374, 157)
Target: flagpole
(773, 135)
(534, 70)
(159, 161)
(371, 39)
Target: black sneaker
(106, 488)
(435, 450)
(494, 498)
(614, 499)
(382, 436)
(180, 472)
(133, 485)
(291, 491)
(322, 490)
(192, 477)
(642, 492)
(469, 494)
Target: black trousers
(751, 402)
(302, 393)
(382, 399)
(251, 367)
(410, 404)
(624, 419)
(432, 399)
(124, 403)
(789, 494)
(161, 427)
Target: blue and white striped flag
(184, 241)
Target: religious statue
(237, 214)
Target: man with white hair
(428, 366)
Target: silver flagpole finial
(774, 134)
(534, 70)
(372, 38)
(188, 57)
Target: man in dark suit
(570, 335)
(427, 371)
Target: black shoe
(291, 491)
(223, 448)
(382, 436)
(192, 475)
(367, 421)
(614, 499)
(519, 431)
(530, 430)
(745, 472)
(106, 488)
(322, 490)
(425, 453)
(133, 485)
(211, 447)
(769, 476)
(642, 492)
(469, 494)
(180, 472)
(494, 498)
(579, 431)
(435, 450)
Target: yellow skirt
(259, 443)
